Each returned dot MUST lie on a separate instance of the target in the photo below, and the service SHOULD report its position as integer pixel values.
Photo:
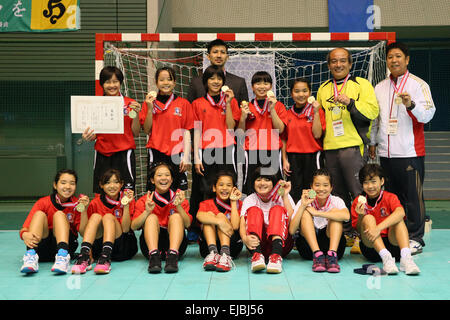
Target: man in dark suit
(217, 55)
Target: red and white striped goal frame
(101, 38)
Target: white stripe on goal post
(131, 37)
(320, 36)
(358, 36)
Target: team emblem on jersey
(117, 213)
(125, 110)
(171, 212)
(70, 217)
(383, 212)
(177, 112)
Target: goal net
(284, 60)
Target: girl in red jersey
(264, 221)
(108, 235)
(263, 120)
(116, 151)
(305, 123)
(163, 216)
(319, 217)
(379, 217)
(219, 217)
(52, 225)
(167, 119)
(216, 116)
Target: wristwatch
(412, 106)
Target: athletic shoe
(389, 265)
(171, 263)
(355, 248)
(62, 264)
(331, 263)
(408, 266)
(211, 260)
(415, 247)
(319, 263)
(258, 262)
(225, 263)
(30, 263)
(103, 265)
(82, 264)
(275, 264)
(154, 263)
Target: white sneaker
(408, 266)
(209, 264)
(62, 264)
(225, 263)
(30, 263)
(258, 262)
(275, 264)
(415, 247)
(389, 265)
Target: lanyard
(336, 91)
(402, 84)
(366, 206)
(158, 109)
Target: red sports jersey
(104, 205)
(162, 213)
(108, 144)
(213, 123)
(382, 209)
(165, 135)
(259, 131)
(210, 205)
(49, 205)
(298, 131)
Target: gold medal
(270, 94)
(280, 191)
(398, 100)
(311, 194)
(132, 114)
(125, 200)
(80, 207)
(311, 100)
(225, 89)
(152, 94)
(362, 200)
(336, 110)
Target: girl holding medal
(264, 221)
(220, 221)
(319, 217)
(167, 119)
(52, 225)
(305, 123)
(116, 151)
(216, 115)
(164, 217)
(263, 120)
(379, 217)
(108, 236)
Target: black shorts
(236, 245)
(324, 244)
(180, 178)
(124, 161)
(125, 247)
(46, 249)
(372, 255)
(163, 244)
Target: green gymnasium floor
(130, 280)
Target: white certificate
(104, 114)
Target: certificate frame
(103, 114)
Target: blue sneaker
(30, 263)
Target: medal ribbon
(163, 200)
(307, 110)
(264, 109)
(114, 202)
(273, 195)
(402, 84)
(66, 204)
(336, 91)
(158, 109)
(325, 208)
(366, 206)
(222, 103)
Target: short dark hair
(108, 175)
(215, 43)
(210, 72)
(170, 70)
(156, 165)
(349, 55)
(371, 170)
(304, 80)
(398, 45)
(322, 172)
(261, 76)
(266, 172)
(63, 171)
(108, 72)
(225, 173)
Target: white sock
(384, 253)
(405, 252)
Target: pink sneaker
(103, 265)
(82, 265)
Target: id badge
(392, 128)
(338, 128)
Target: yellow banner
(54, 14)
